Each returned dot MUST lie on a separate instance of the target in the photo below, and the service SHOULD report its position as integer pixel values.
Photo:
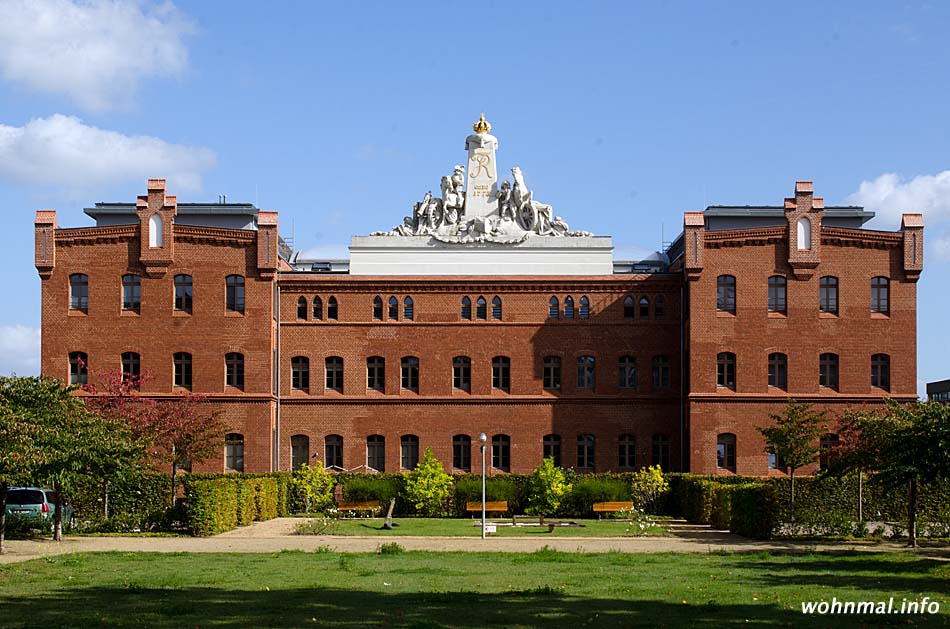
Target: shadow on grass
(862, 571)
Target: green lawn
(543, 589)
(471, 528)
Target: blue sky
(341, 115)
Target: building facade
(483, 312)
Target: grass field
(542, 589)
(471, 528)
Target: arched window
(78, 368)
(131, 293)
(554, 308)
(378, 308)
(376, 373)
(726, 370)
(155, 235)
(628, 310)
(585, 372)
(299, 451)
(409, 447)
(334, 373)
(462, 373)
(234, 293)
(552, 372)
(828, 445)
(496, 308)
(131, 368)
(659, 305)
(333, 311)
(881, 371)
(317, 308)
(300, 373)
(466, 308)
(501, 452)
(880, 295)
(726, 294)
(408, 311)
(302, 308)
(804, 234)
(627, 372)
(661, 372)
(79, 292)
(393, 309)
(585, 308)
(409, 366)
(333, 450)
(777, 286)
(568, 307)
(376, 452)
(585, 452)
(551, 448)
(644, 308)
(778, 371)
(462, 453)
(726, 451)
(234, 452)
(234, 370)
(501, 373)
(627, 451)
(828, 294)
(183, 293)
(828, 371)
(661, 451)
(481, 308)
(182, 362)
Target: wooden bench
(611, 507)
(500, 506)
(358, 505)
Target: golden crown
(482, 125)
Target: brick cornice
(478, 284)
(730, 398)
(468, 401)
(216, 235)
(740, 237)
(93, 235)
(861, 237)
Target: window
(627, 451)
(628, 372)
(828, 445)
(828, 294)
(880, 297)
(585, 372)
(182, 362)
(585, 308)
(409, 447)
(234, 452)
(501, 452)
(410, 373)
(643, 308)
(333, 449)
(334, 373)
(183, 292)
(333, 311)
(501, 373)
(407, 309)
(804, 234)
(828, 371)
(554, 308)
(726, 294)
(726, 370)
(393, 309)
(131, 293)
(481, 309)
(234, 293)
(659, 307)
(726, 451)
(462, 452)
(376, 452)
(155, 231)
(777, 286)
(496, 308)
(661, 451)
(462, 373)
(376, 373)
(466, 308)
(234, 370)
(79, 292)
(628, 310)
(776, 462)
(300, 373)
(299, 451)
(778, 371)
(661, 372)
(881, 371)
(552, 372)
(568, 307)
(551, 445)
(317, 308)
(585, 452)
(378, 308)
(302, 308)
(131, 368)
(78, 368)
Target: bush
(211, 505)
(754, 510)
(699, 493)
(283, 480)
(245, 500)
(137, 502)
(312, 489)
(587, 490)
(545, 488)
(265, 498)
(510, 488)
(381, 487)
(648, 489)
(721, 514)
(428, 488)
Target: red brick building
(504, 323)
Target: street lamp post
(482, 438)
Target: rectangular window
(585, 372)
(299, 451)
(183, 370)
(552, 448)
(334, 373)
(234, 370)
(376, 452)
(585, 452)
(333, 451)
(627, 452)
(880, 295)
(501, 373)
(661, 372)
(183, 289)
(726, 294)
(78, 368)
(881, 371)
(462, 373)
(131, 293)
(410, 373)
(828, 371)
(376, 373)
(778, 371)
(777, 286)
(552, 372)
(828, 295)
(661, 452)
(300, 373)
(726, 370)
(462, 452)
(79, 292)
(410, 452)
(501, 452)
(235, 293)
(627, 372)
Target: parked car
(35, 502)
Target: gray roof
(238, 209)
(768, 211)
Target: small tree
(429, 486)
(546, 486)
(313, 487)
(17, 458)
(794, 439)
(648, 486)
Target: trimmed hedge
(212, 505)
(754, 510)
(265, 498)
(579, 502)
(138, 502)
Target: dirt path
(276, 535)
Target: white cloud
(890, 196)
(61, 151)
(94, 52)
(941, 247)
(19, 350)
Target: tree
(16, 458)
(905, 445)
(429, 486)
(794, 438)
(546, 486)
(313, 488)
